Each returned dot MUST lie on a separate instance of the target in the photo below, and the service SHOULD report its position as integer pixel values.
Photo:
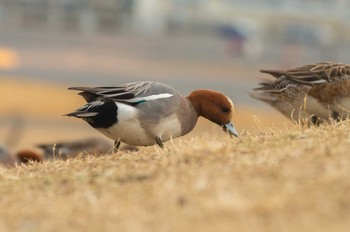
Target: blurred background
(49, 45)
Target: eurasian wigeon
(146, 113)
(319, 91)
(73, 148)
(27, 156)
(9, 159)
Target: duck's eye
(225, 109)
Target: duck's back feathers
(130, 93)
(314, 74)
(111, 93)
(277, 86)
(274, 73)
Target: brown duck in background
(318, 92)
(71, 149)
(9, 159)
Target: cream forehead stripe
(230, 101)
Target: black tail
(99, 114)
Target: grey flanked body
(163, 121)
(137, 119)
(174, 109)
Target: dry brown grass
(292, 179)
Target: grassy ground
(291, 179)
(285, 179)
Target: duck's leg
(315, 120)
(336, 116)
(159, 141)
(116, 145)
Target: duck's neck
(188, 116)
(196, 101)
(202, 102)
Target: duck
(10, 159)
(73, 148)
(28, 156)
(147, 113)
(317, 92)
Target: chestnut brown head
(214, 106)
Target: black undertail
(98, 115)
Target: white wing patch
(149, 98)
(157, 96)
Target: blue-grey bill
(230, 129)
